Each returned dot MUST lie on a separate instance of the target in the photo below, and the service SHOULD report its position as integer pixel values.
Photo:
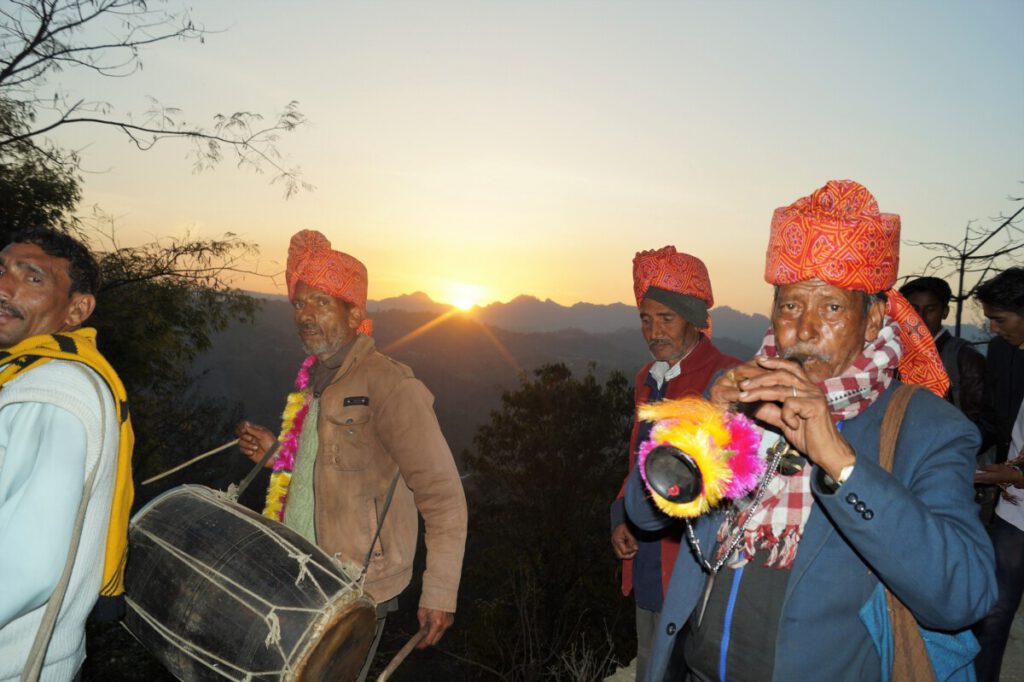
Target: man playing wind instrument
(789, 570)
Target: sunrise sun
(464, 296)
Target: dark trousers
(993, 631)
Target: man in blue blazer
(792, 566)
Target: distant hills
(530, 314)
(467, 359)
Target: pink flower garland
(296, 408)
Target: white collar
(661, 371)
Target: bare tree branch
(959, 259)
(41, 37)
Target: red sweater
(696, 372)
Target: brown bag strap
(910, 662)
(891, 424)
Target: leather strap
(910, 662)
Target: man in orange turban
(360, 440)
(796, 575)
(673, 294)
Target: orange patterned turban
(311, 260)
(838, 235)
(680, 273)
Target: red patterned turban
(838, 235)
(311, 260)
(679, 273)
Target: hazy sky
(533, 147)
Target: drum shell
(216, 591)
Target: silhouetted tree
(38, 185)
(158, 307)
(542, 581)
(981, 253)
(107, 37)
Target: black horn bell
(673, 474)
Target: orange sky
(533, 147)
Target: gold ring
(732, 375)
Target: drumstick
(191, 462)
(402, 653)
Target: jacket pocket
(350, 445)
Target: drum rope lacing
(271, 619)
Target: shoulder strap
(37, 653)
(910, 662)
(891, 424)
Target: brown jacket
(376, 419)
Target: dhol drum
(216, 591)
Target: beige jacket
(376, 419)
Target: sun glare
(464, 296)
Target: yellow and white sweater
(58, 421)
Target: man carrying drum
(360, 447)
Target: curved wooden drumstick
(402, 653)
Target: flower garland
(295, 410)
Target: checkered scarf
(865, 379)
(778, 523)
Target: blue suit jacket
(918, 530)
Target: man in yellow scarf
(65, 448)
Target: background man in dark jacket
(965, 366)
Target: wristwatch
(833, 484)
(1019, 468)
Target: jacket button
(860, 507)
(671, 628)
(867, 515)
(852, 498)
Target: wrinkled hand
(624, 544)
(254, 441)
(783, 396)
(437, 623)
(725, 391)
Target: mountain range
(530, 314)
(467, 359)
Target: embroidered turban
(677, 280)
(311, 260)
(838, 235)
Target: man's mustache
(657, 342)
(803, 353)
(7, 309)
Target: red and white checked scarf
(778, 523)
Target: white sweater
(57, 422)
(1007, 511)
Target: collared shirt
(647, 587)
(662, 373)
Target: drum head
(340, 653)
